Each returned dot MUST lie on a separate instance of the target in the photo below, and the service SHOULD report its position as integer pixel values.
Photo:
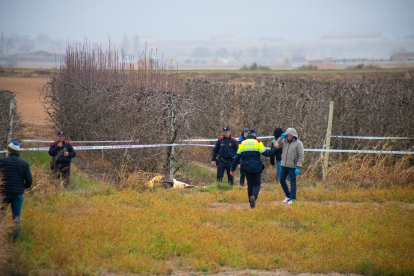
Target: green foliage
(308, 67)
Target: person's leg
(283, 176)
(257, 182)
(228, 167)
(4, 203)
(242, 176)
(250, 180)
(16, 206)
(65, 175)
(278, 168)
(292, 177)
(220, 170)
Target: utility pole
(328, 139)
(172, 139)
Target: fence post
(328, 139)
(172, 140)
(9, 136)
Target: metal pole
(328, 138)
(172, 137)
(9, 136)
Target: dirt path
(34, 118)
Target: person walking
(62, 153)
(226, 147)
(292, 159)
(250, 150)
(15, 177)
(244, 133)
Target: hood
(292, 132)
(278, 132)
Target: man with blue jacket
(62, 153)
(15, 177)
(250, 150)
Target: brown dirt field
(34, 118)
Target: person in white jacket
(292, 159)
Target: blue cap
(226, 129)
(60, 133)
(252, 131)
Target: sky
(292, 20)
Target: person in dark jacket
(250, 150)
(15, 177)
(226, 148)
(278, 153)
(243, 136)
(62, 153)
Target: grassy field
(93, 228)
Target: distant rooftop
(352, 35)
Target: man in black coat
(15, 177)
(62, 153)
(278, 153)
(226, 148)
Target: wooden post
(328, 139)
(172, 141)
(9, 136)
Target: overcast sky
(197, 20)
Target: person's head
(291, 134)
(252, 132)
(245, 132)
(226, 132)
(13, 147)
(60, 137)
(278, 131)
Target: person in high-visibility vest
(249, 150)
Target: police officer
(226, 147)
(250, 150)
(62, 153)
(243, 136)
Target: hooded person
(292, 159)
(278, 153)
(16, 178)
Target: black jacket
(226, 148)
(250, 151)
(278, 152)
(15, 175)
(57, 153)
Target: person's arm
(215, 152)
(28, 178)
(272, 156)
(301, 155)
(53, 150)
(279, 143)
(235, 162)
(71, 151)
(264, 152)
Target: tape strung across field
(373, 137)
(205, 145)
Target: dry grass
(158, 232)
(4, 242)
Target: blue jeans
(278, 168)
(16, 202)
(284, 173)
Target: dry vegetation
(359, 220)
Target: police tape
(373, 137)
(47, 141)
(206, 145)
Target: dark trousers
(242, 176)
(62, 171)
(16, 202)
(284, 173)
(254, 180)
(224, 164)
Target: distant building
(353, 35)
(403, 56)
